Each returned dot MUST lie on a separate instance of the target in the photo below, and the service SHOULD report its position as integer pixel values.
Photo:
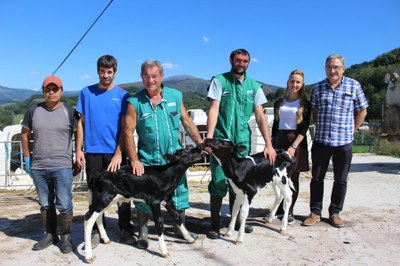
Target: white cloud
(34, 73)
(205, 39)
(85, 77)
(169, 65)
(255, 60)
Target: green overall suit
(158, 132)
(236, 108)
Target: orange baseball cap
(52, 79)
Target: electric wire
(76, 45)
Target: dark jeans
(341, 160)
(96, 162)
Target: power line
(76, 45)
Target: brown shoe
(336, 221)
(311, 219)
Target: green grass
(362, 149)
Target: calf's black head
(186, 156)
(221, 148)
(284, 160)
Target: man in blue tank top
(103, 107)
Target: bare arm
(80, 157)
(262, 123)
(25, 142)
(116, 160)
(189, 126)
(130, 145)
(212, 117)
(297, 142)
(360, 118)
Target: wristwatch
(294, 146)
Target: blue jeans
(341, 159)
(54, 188)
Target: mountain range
(184, 83)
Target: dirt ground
(371, 235)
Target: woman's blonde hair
(302, 95)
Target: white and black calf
(247, 174)
(155, 186)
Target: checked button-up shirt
(336, 110)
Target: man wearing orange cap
(53, 123)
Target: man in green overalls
(233, 98)
(156, 113)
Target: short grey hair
(152, 63)
(334, 56)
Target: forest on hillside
(369, 74)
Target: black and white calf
(246, 175)
(155, 186)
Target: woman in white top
(291, 122)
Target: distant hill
(184, 83)
(187, 83)
(9, 95)
(12, 95)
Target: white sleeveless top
(287, 115)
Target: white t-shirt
(288, 115)
(215, 93)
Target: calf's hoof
(194, 236)
(283, 232)
(192, 240)
(89, 260)
(228, 233)
(238, 242)
(166, 255)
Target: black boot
(66, 242)
(124, 223)
(247, 228)
(143, 241)
(49, 219)
(178, 232)
(215, 206)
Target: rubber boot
(143, 241)
(66, 242)
(178, 232)
(247, 228)
(124, 223)
(215, 206)
(49, 219)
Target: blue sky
(189, 37)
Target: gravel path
(371, 235)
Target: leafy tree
(5, 118)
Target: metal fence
(13, 176)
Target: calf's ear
(240, 148)
(168, 157)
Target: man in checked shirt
(334, 102)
